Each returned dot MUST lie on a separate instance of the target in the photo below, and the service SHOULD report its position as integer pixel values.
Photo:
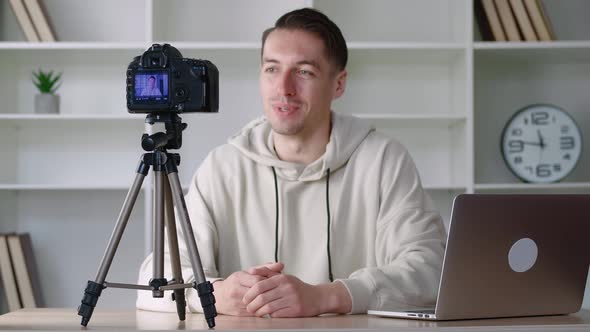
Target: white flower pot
(46, 103)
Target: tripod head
(171, 139)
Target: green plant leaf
(46, 82)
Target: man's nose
(286, 84)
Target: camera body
(161, 81)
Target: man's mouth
(285, 108)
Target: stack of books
(513, 20)
(18, 272)
(33, 20)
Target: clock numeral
(516, 132)
(515, 146)
(543, 170)
(518, 160)
(567, 142)
(539, 118)
(567, 156)
(565, 129)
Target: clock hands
(541, 141)
(541, 144)
(531, 143)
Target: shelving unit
(417, 71)
(530, 186)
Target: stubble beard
(287, 129)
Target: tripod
(167, 191)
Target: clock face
(541, 143)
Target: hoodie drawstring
(330, 275)
(274, 173)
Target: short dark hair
(316, 22)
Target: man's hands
(229, 293)
(264, 290)
(283, 296)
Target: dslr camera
(162, 81)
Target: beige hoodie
(386, 239)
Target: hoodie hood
(255, 141)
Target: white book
(539, 21)
(7, 275)
(508, 20)
(494, 20)
(25, 22)
(21, 271)
(39, 18)
(522, 17)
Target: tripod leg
(178, 294)
(158, 279)
(94, 288)
(204, 288)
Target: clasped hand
(265, 290)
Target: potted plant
(47, 83)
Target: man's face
(297, 82)
(151, 82)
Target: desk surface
(67, 319)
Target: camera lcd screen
(151, 87)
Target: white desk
(67, 319)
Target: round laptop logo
(523, 255)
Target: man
(337, 206)
(151, 90)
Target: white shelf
(413, 71)
(58, 117)
(415, 120)
(183, 45)
(445, 188)
(531, 53)
(89, 187)
(531, 45)
(73, 46)
(354, 45)
(532, 186)
(410, 52)
(254, 45)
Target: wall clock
(541, 143)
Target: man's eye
(270, 70)
(305, 72)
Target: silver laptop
(512, 255)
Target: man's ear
(340, 84)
